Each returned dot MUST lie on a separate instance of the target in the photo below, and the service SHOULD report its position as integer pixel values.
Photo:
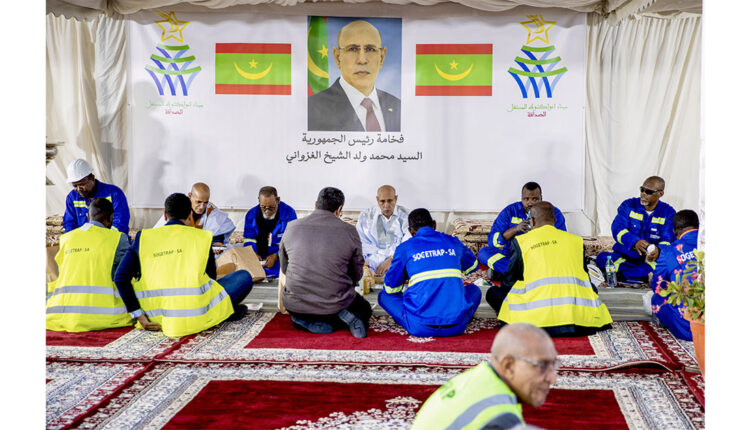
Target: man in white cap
(87, 188)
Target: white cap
(78, 170)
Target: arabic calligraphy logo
(172, 68)
(537, 73)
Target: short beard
(268, 218)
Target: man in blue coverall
(675, 262)
(265, 225)
(86, 188)
(512, 221)
(639, 223)
(435, 302)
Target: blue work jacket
(632, 223)
(433, 263)
(250, 234)
(676, 261)
(512, 215)
(77, 207)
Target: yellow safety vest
(556, 290)
(468, 401)
(84, 297)
(174, 289)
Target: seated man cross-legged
(382, 228)
(512, 222)
(546, 284)
(435, 302)
(640, 221)
(264, 227)
(84, 297)
(321, 258)
(175, 289)
(676, 262)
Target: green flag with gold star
(317, 55)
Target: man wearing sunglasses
(353, 103)
(265, 224)
(640, 222)
(522, 368)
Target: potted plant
(690, 296)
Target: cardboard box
(243, 258)
(52, 271)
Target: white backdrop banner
(469, 108)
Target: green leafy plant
(690, 291)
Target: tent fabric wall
(643, 111)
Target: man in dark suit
(353, 103)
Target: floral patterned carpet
(260, 372)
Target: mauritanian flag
(317, 55)
(454, 69)
(254, 68)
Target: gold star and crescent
(171, 27)
(538, 28)
(253, 76)
(454, 76)
(311, 66)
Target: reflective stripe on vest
(516, 220)
(553, 280)
(181, 313)
(92, 310)
(434, 274)
(556, 301)
(79, 204)
(249, 240)
(468, 415)
(658, 220)
(166, 292)
(80, 289)
(84, 297)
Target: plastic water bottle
(611, 272)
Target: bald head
(525, 358)
(515, 339)
(542, 213)
(387, 199)
(199, 195)
(354, 28)
(656, 182)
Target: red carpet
(264, 396)
(118, 344)
(77, 389)
(94, 339)
(268, 337)
(386, 335)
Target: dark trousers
(238, 285)
(359, 307)
(495, 296)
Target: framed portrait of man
(354, 74)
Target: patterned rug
(75, 389)
(117, 344)
(270, 337)
(260, 396)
